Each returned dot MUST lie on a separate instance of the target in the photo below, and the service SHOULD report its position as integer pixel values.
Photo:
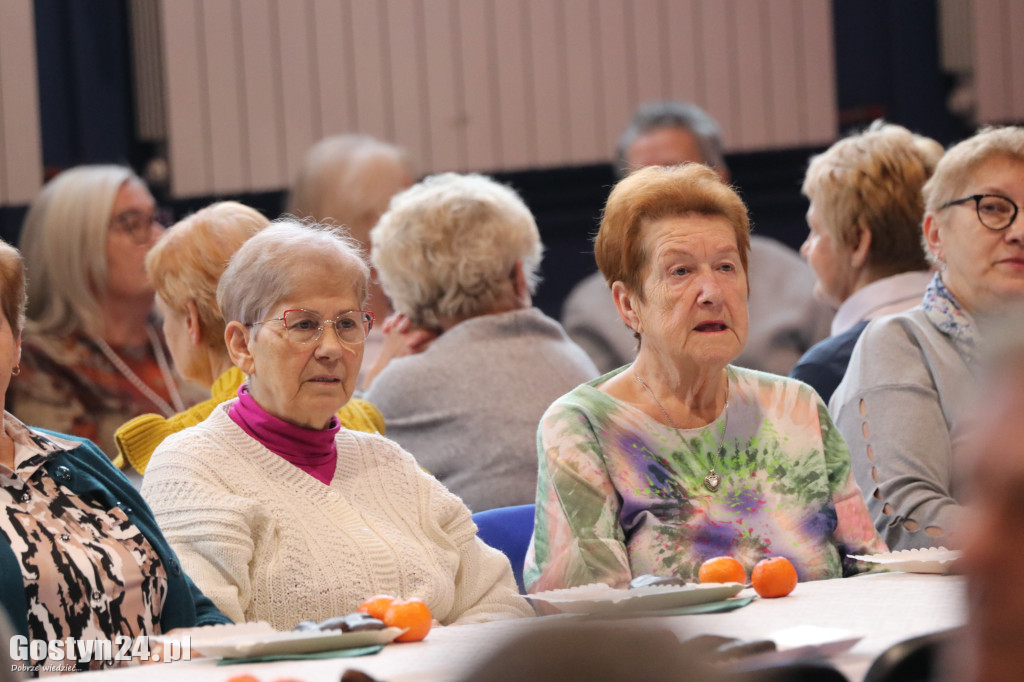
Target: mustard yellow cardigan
(137, 439)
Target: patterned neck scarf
(946, 313)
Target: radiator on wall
(246, 86)
(21, 166)
(999, 60)
(238, 89)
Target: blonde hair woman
(185, 266)
(93, 357)
(905, 405)
(864, 244)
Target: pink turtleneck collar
(312, 450)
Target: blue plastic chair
(508, 529)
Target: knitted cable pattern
(266, 541)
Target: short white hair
(262, 272)
(447, 245)
(64, 241)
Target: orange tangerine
(411, 614)
(722, 569)
(774, 577)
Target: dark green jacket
(89, 474)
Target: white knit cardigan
(266, 541)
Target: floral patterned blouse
(89, 573)
(620, 494)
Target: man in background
(785, 318)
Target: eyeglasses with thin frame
(995, 211)
(138, 224)
(305, 326)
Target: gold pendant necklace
(712, 481)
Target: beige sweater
(266, 541)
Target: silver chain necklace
(161, 360)
(712, 481)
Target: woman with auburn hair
(185, 266)
(93, 358)
(864, 244)
(660, 465)
(80, 553)
(905, 404)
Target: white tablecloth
(884, 608)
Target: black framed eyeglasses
(306, 326)
(995, 211)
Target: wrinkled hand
(399, 328)
(401, 338)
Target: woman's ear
(520, 287)
(192, 321)
(627, 304)
(932, 237)
(859, 255)
(236, 338)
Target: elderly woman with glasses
(904, 405)
(277, 512)
(93, 357)
(185, 267)
(680, 456)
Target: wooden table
(885, 608)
